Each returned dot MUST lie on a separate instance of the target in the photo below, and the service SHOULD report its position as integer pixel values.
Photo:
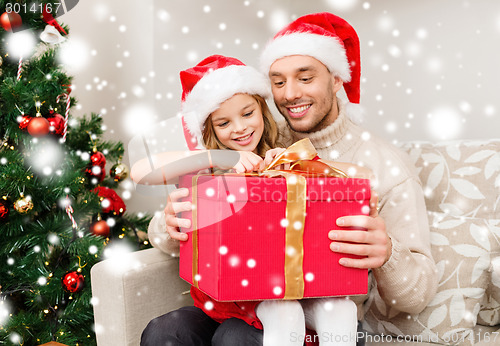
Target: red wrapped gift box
(241, 247)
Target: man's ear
(337, 83)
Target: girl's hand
(248, 162)
(270, 155)
(174, 206)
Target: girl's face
(238, 123)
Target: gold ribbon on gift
(194, 233)
(300, 156)
(294, 246)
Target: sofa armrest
(131, 290)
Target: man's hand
(173, 207)
(373, 244)
(248, 162)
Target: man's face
(304, 92)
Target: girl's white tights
(283, 321)
(334, 320)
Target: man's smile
(298, 111)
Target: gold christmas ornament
(119, 172)
(23, 205)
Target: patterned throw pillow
(461, 247)
(490, 309)
(462, 178)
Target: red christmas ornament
(110, 201)
(68, 88)
(98, 159)
(73, 281)
(10, 20)
(24, 122)
(4, 209)
(96, 167)
(100, 228)
(56, 122)
(38, 126)
(96, 172)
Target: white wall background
(429, 67)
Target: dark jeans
(190, 326)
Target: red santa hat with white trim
(211, 82)
(325, 37)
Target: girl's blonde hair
(269, 139)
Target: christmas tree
(59, 211)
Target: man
(308, 62)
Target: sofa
(461, 181)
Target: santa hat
(325, 37)
(207, 85)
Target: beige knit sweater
(408, 280)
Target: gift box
(266, 237)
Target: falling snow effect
(411, 64)
(417, 84)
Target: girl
(224, 107)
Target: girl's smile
(244, 140)
(238, 123)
